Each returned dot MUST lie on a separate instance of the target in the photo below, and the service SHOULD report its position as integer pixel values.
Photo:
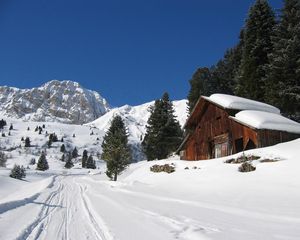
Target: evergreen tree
(49, 143)
(18, 172)
(62, 148)
(115, 148)
(90, 163)
(200, 84)
(163, 132)
(225, 72)
(63, 158)
(75, 153)
(2, 123)
(256, 47)
(42, 163)
(27, 142)
(11, 127)
(283, 78)
(84, 158)
(69, 163)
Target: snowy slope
(209, 200)
(55, 101)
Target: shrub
(18, 172)
(246, 167)
(32, 161)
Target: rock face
(59, 101)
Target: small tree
(91, 163)
(28, 128)
(84, 158)
(75, 153)
(11, 127)
(116, 151)
(69, 163)
(3, 159)
(63, 158)
(49, 143)
(27, 142)
(63, 148)
(18, 172)
(42, 163)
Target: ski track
(64, 214)
(76, 207)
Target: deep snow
(210, 200)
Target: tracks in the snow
(65, 213)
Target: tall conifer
(257, 45)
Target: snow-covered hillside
(55, 101)
(200, 200)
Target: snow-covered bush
(32, 161)
(18, 172)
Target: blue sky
(129, 51)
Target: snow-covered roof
(239, 103)
(267, 120)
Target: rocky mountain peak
(60, 101)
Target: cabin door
(221, 146)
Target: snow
(266, 120)
(239, 103)
(209, 200)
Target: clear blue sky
(129, 51)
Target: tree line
(265, 63)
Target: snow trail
(59, 212)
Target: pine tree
(256, 47)
(115, 148)
(11, 127)
(63, 158)
(69, 163)
(75, 153)
(163, 132)
(225, 72)
(62, 148)
(42, 163)
(90, 163)
(283, 79)
(18, 172)
(84, 158)
(27, 142)
(200, 84)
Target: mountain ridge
(55, 101)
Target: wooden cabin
(221, 125)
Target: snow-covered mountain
(55, 101)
